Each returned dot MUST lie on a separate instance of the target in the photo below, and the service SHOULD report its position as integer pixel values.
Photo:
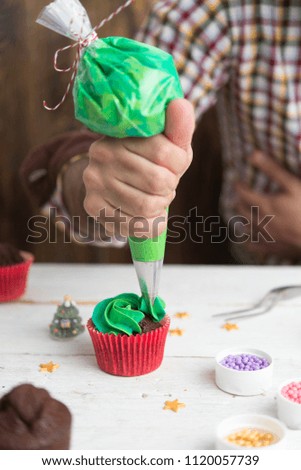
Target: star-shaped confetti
(181, 315)
(174, 405)
(176, 332)
(230, 326)
(49, 367)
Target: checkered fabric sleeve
(196, 34)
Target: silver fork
(265, 304)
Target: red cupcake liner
(129, 356)
(13, 279)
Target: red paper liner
(129, 356)
(13, 279)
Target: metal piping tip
(148, 274)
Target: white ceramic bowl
(243, 382)
(263, 422)
(288, 411)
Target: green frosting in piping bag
(122, 87)
(123, 313)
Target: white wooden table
(127, 413)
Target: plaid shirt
(246, 56)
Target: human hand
(285, 207)
(136, 178)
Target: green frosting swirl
(123, 313)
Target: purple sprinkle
(242, 362)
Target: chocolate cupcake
(30, 419)
(128, 339)
(9, 255)
(14, 267)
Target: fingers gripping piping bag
(121, 89)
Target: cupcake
(128, 339)
(30, 419)
(14, 267)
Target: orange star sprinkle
(49, 367)
(181, 315)
(174, 405)
(230, 326)
(176, 332)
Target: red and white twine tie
(81, 44)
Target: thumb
(180, 123)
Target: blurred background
(26, 78)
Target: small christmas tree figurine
(66, 322)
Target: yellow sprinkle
(174, 405)
(230, 326)
(176, 332)
(181, 315)
(49, 367)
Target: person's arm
(52, 175)
(41, 167)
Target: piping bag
(121, 88)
